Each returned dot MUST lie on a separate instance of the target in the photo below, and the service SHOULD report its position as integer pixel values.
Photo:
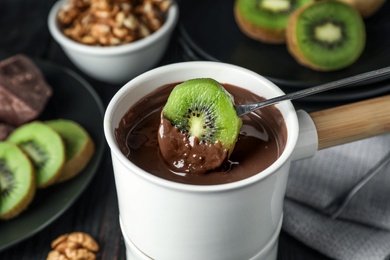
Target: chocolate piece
(23, 90)
(5, 130)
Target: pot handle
(307, 143)
(352, 122)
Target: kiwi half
(326, 35)
(17, 180)
(45, 149)
(204, 109)
(266, 20)
(79, 146)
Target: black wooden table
(23, 29)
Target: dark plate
(210, 30)
(344, 94)
(73, 98)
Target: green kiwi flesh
(79, 146)
(330, 35)
(204, 109)
(45, 149)
(270, 14)
(17, 180)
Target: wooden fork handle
(352, 122)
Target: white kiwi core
(196, 126)
(328, 32)
(276, 5)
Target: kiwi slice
(266, 20)
(326, 35)
(79, 146)
(45, 149)
(17, 180)
(204, 109)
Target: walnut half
(73, 246)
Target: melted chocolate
(187, 154)
(261, 141)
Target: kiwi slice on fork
(326, 35)
(203, 111)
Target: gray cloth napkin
(338, 202)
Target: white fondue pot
(161, 219)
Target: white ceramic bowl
(116, 64)
(169, 220)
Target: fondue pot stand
(161, 219)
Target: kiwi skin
(257, 33)
(292, 42)
(365, 7)
(274, 34)
(30, 193)
(79, 147)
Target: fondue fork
(243, 109)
